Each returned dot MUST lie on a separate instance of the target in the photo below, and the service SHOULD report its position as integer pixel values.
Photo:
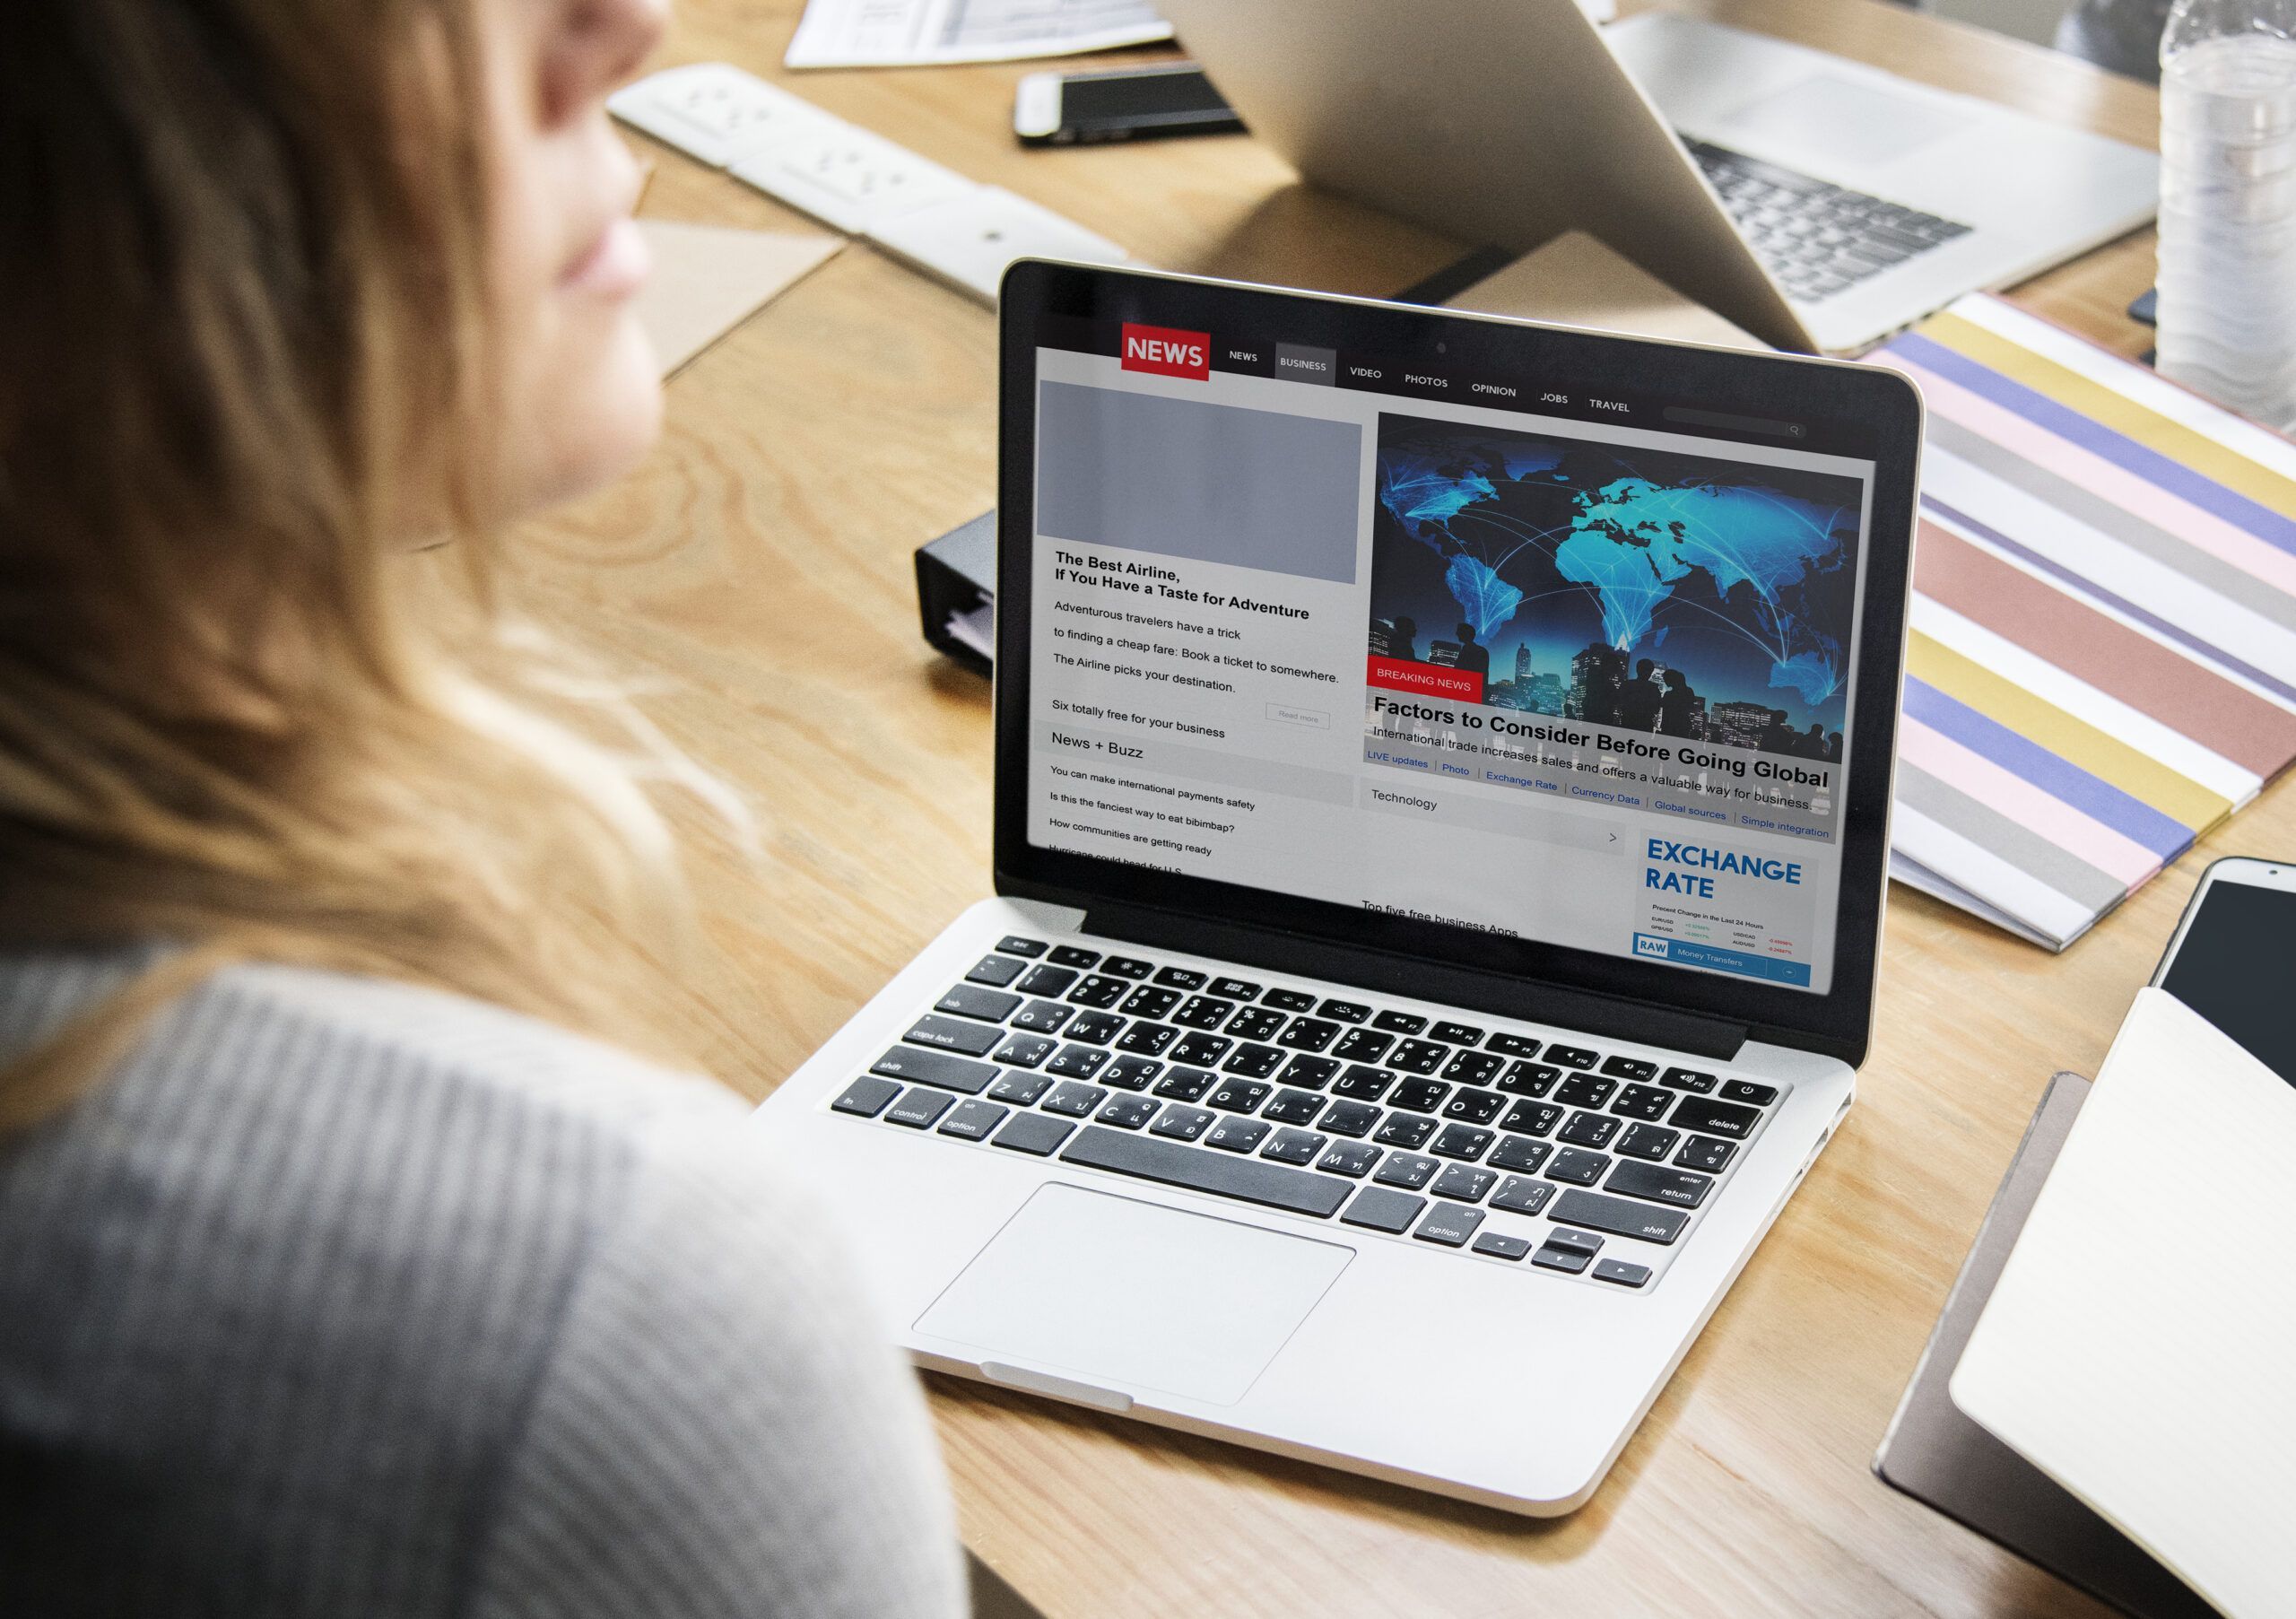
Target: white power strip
(933, 218)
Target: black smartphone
(1137, 103)
(2230, 959)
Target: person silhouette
(1638, 699)
(1776, 736)
(1404, 642)
(1812, 743)
(1473, 659)
(1834, 747)
(1677, 706)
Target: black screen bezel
(1840, 395)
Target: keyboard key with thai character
(1295, 1147)
(1379, 1210)
(1687, 1079)
(1181, 978)
(1467, 1182)
(1043, 1017)
(1704, 1152)
(1048, 980)
(1585, 1091)
(1249, 1179)
(1532, 1118)
(1362, 1046)
(1571, 1056)
(1349, 1119)
(1749, 1093)
(1476, 1107)
(1449, 1224)
(1642, 1101)
(1069, 955)
(1418, 1056)
(1182, 1084)
(1520, 1153)
(1241, 1095)
(1308, 1034)
(1399, 1022)
(1253, 1062)
(1202, 1050)
(1098, 992)
(1147, 1040)
(1618, 1216)
(866, 1098)
(1182, 1123)
(1127, 1112)
(1363, 1083)
(1681, 1188)
(1405, 1131)
(1577, 1167)
(1473, 1068)
(1291, 1107)
(1630, 1067)
(1647, 1141)
(1097, 1028)
(1235, 989)
(1512, 1045)
(1528, 1079)
(1588, 1130)
(996, 970)
(1026, 1050)
(1127, 967)
(956, 1034)
(1353, 1159)
(1521, 1195)
(1077, 1062)
(926, 1066)
(1203, 1012)
(1462, 1140)
(1289, 1000)
(1075, 1100)
(918, 1107)
(1714, 1117)
(1407, 1169)
(973, 1119)
(1256, 1022)
(1309, 1073)
(1238, 1134)
(1032, 1133)
(1020, 1089)
(1131, 1073)
(1013, 943)
(1148, 1001)
(1421, 1096)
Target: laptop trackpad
(1135, 1296)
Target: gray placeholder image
(1205, 482)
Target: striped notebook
(2103, 655)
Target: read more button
(1429, 680)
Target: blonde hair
(242, 320)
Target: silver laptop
(1817, 203)
(1443, 781)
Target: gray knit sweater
(344, 1298)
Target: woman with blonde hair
(344, 1267)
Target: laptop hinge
(1578, 1010)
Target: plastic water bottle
(2228, 204)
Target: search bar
(1684, 414)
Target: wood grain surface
(756, 573)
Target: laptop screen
(1452, 639)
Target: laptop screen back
(1454, 638)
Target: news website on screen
(1449, 646)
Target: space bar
(1270, 1184)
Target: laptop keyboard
(1331, 1108)
(1817, 237)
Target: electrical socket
(716, 114)
(851, 180)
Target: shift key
(942, 1068)
(1617, 1216)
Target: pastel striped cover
(2102, 662)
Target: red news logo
(1168, 353)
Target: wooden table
(760, 566)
